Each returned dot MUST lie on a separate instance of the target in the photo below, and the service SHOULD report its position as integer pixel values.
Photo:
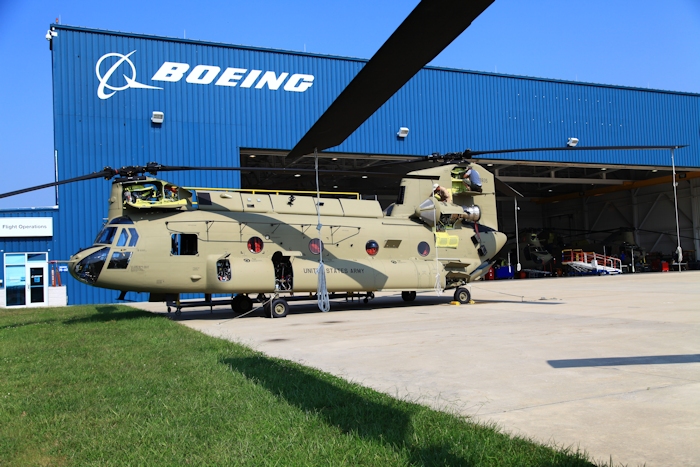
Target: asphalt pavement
(609, 365)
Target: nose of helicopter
(87, 264)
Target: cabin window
(255, 245)
(106, 236)
(423, 249)
(372, 248)
(315, 246)
(223, 270)
(183, 244)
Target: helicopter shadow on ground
(353, 414)
(310, 306)
(104, 313)
(107, 313)
(520, 302)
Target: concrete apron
(609, 365)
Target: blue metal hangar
(127, 99)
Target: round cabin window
(423, 249)
(315, 246)
(255, 245)
(372, 248)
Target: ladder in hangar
(588, 262)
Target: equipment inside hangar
(126, 99)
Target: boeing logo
(200, 74)
(104, 79)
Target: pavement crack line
(688, 380)
(602, 396)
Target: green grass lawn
(110, 385)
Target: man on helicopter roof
(444, 194)
(472, 180)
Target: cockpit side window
(106, 236)
(134, 237)
(183, 244)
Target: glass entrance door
(15, 279)
(25, 279)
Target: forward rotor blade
(350, 173)
(430, 27)
(106, 173)
(131, 171)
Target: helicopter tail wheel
(279, 308)
(462, 295)
(408, 296)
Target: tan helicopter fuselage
(223, 241)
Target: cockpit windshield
(106, 236)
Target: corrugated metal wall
(206, 124)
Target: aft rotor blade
(470, 153)
(467, 154)
(106, 173)
(430, 27)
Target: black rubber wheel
(408, 296)
(241, 304)
(279, 308)
(462, 295)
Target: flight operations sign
(26, 227)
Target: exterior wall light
(157, 117)
(572, 142)
(403, 132)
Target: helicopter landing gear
(368, 297)
(278, 308)
(408, 296)
(241, 304)
(462, 295)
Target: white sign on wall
(26, 227)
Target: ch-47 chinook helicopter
(167, 240)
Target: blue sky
(640, 43)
